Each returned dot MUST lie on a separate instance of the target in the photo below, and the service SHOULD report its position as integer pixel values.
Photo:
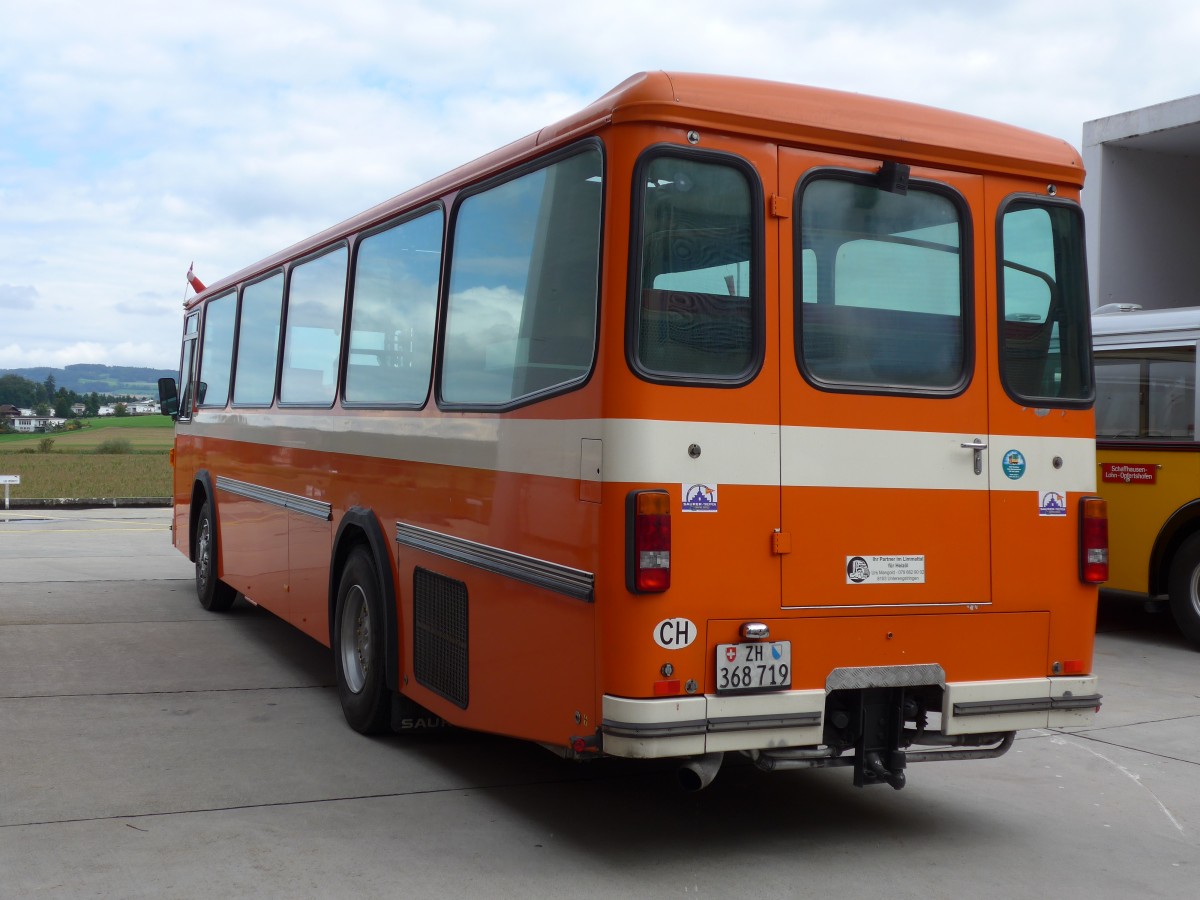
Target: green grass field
(74, 468)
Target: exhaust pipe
(698, 772)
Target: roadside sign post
(8, 481)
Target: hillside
(83, 378)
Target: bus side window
(258, 342)
(1148, 394)
(187, 361)
(216, 355)
(524, 279)
(316, 298)
(394, 312)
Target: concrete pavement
(151, 749)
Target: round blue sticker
(1014, 464)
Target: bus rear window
(1045, 353)
(696, 296)
(881, 297)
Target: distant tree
(18, 391)
(120, 410)
(62, 404)
(50, 387)
(41, 408)
(92, 404)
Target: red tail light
(648, 541)
(1093, 540)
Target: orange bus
(722, 416)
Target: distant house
(33, 424)
(8, 411)
(78, 409)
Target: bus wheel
(1184, 588)
(215, 595)
(358, 646)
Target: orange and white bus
(722, 416)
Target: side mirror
(168, 397)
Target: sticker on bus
(1052, 503)
(699, 498)
(675, 634)
(885, 570)
(1014, 464)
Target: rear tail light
(1093, 540)
(648, 541)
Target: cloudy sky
(137, 135)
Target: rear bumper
(689, 726)
(971, 707)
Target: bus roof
(794, 115)
(1146, 326)
(859, 124)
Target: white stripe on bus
(656, 451)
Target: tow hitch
(878, 758)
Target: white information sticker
(885, 570)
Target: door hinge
(781, 543)
(780, 208)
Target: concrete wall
(1142, 203)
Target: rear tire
(215, 595)
(1183, 587)
(358, 646)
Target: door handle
(978, 446)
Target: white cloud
(136, 136)
(13, 296)
(125, 353)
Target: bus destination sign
(1129, 473)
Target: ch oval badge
(675, 634)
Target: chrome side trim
(539, 572)
(703, 726)
(968, 604)
(751, 723)
(305, 505)
(1020, 705)
(657, 729)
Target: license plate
(760, 666)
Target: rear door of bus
(884, 394)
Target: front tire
(1183, 587)
(215, 595)
(358, 646)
